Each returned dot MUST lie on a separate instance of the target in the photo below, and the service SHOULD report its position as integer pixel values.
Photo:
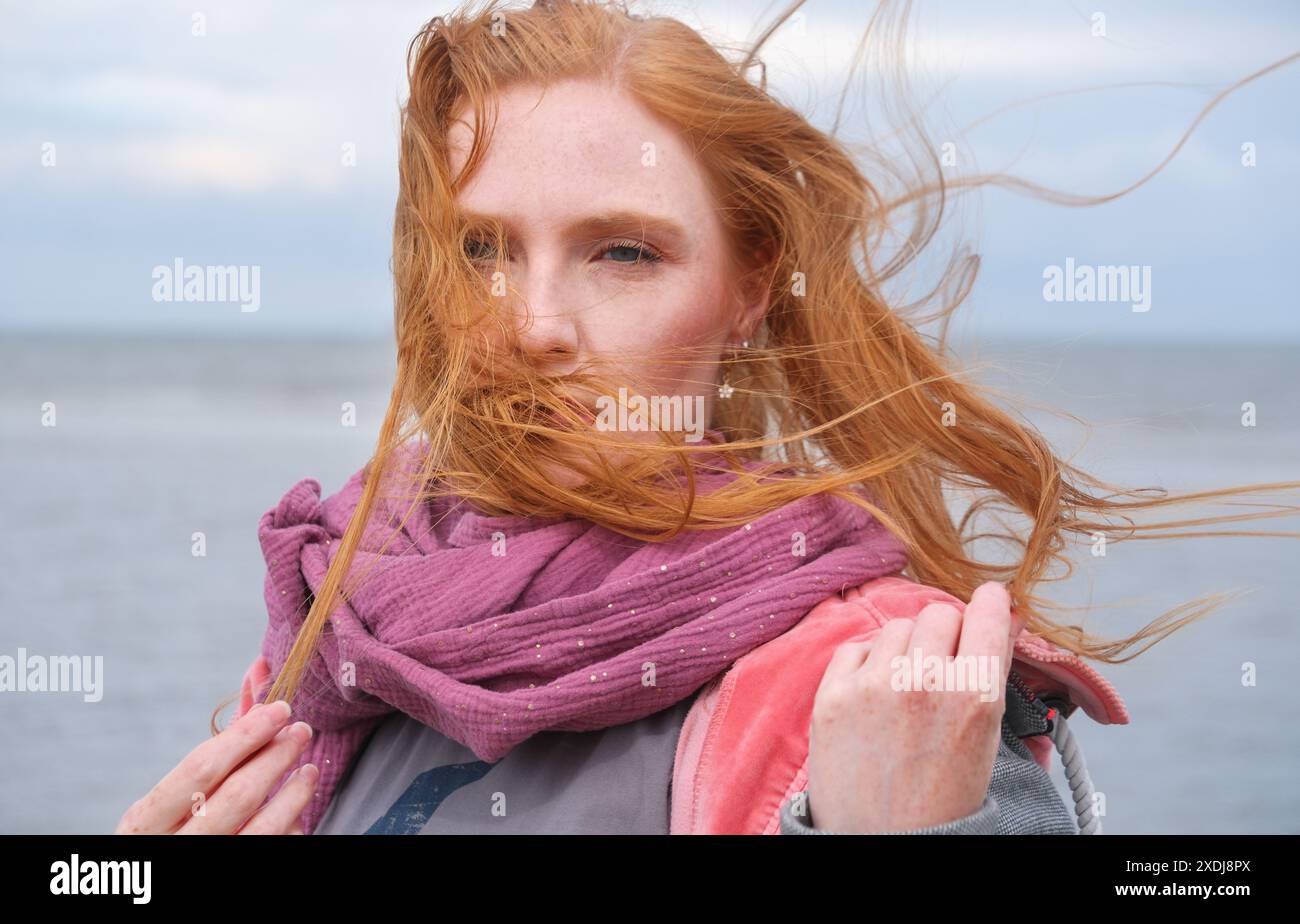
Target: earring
(725, 390)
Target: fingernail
(305, 727)
(311, 771)
(284, 708)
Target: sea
(122, 457)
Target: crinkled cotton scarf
(491, 629)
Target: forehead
(575, 148)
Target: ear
(754, 292)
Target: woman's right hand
(219, 787)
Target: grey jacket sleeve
(1021, 797)
(982, 821)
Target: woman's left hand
(890, 753)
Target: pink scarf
(491, 629)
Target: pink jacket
(743, 749)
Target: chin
(569, 477)
(561, 475)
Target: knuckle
(200, 765)
(823, 701)
(240, 792)
(893, 627)
(846, 653)
(240, 733)
(833, 700)
(846, 647)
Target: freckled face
(617, 256)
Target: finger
(283, 814)
(987, 624)
(986, 634)
(848, 657)
(893, 640)
(937, 630)
(243, 791)
(202, 769)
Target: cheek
(671, 331)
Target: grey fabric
(410, 779)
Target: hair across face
(615, 257)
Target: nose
(548, 330)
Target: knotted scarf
(490, 629)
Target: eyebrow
(605, 224)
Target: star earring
(725, 390)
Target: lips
(584, 413)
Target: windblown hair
(840, 389)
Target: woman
(569, 613)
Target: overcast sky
(225, 148)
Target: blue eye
(479, 249)
(638, 251)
